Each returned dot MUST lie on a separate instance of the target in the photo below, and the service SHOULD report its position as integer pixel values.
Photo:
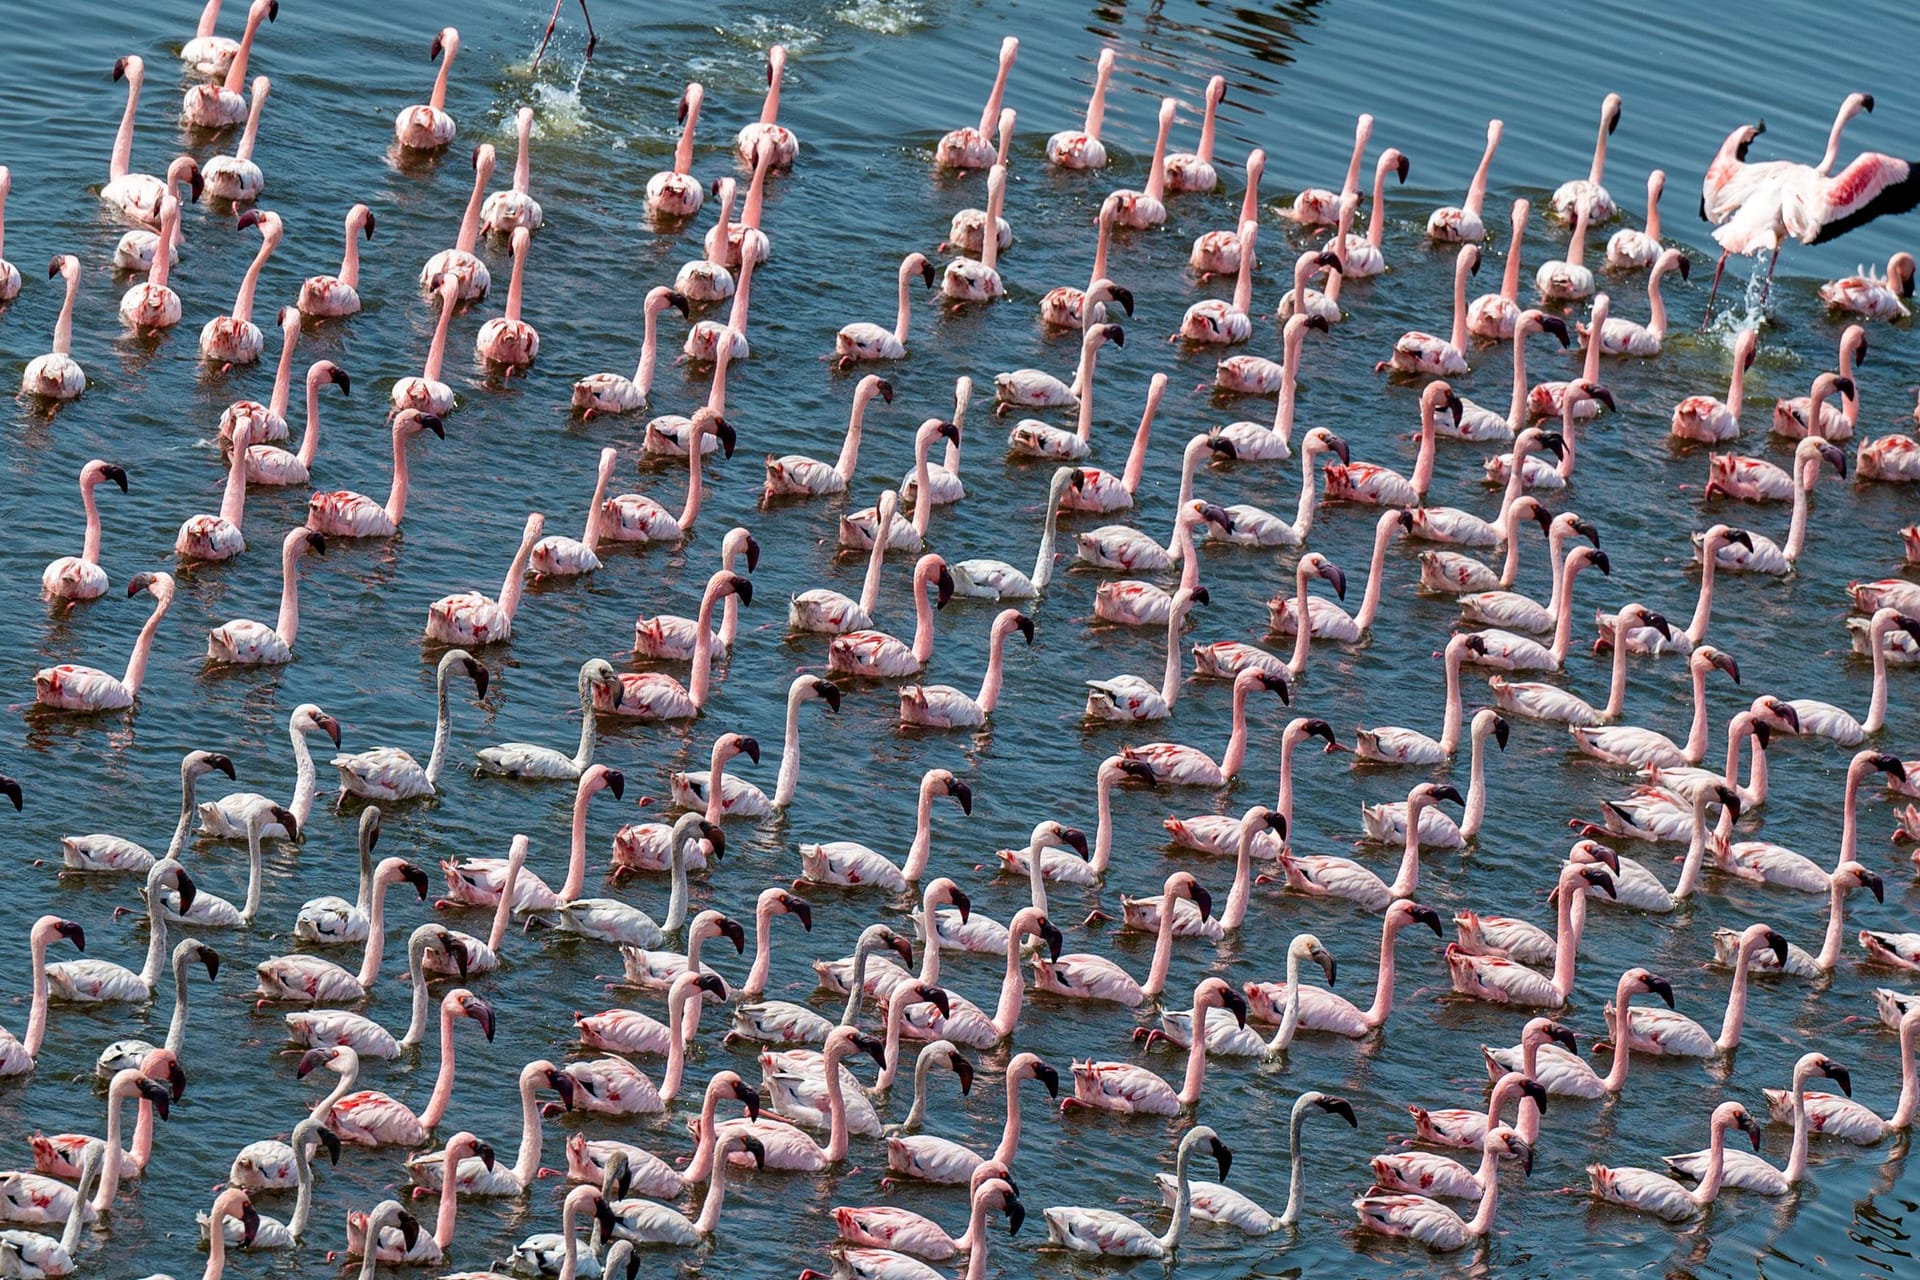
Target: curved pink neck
(1196, 1056)
(1510, 279)
(1696, 749)
(1243, 284)
(503, 910)
(437, 1108)
(922, 608)
(1097, 104)
(1157, 173)
(1616, 1077)
(470, 220)
(1599, 168)
(1163, 957)
(702, 675)
(789, 754)
(143, 648)
(1376, 216)
(1006, 1016)
(516, 284)
(438, 99)
(876, 560)
(1490, 1194)
(1102, 236)
(237, 72)
(121, 160)
(1376, 1015)
(111, 1161)
(737, 311)
(1475, 810)
(921, 850)
(1455, 709)
(1656, 306)
(1617, 686)
(1736, 1015)
(437, 351)
(250, 283)
(1460, 273)
(289, 623)
(1850, 816)
(251, 134)
(1877, 709)
(516, 578)
(1376, 571)
(1293, 337)
(1407, 881)
(1653, 214)
(63, 328)
(597, 506)
(649, 347)
(90, 546)
(696, 480)
(1256, 169)
(762, 950)
(1362, 132)
(527, 1163)
(770, 107)
(1103, 830)
(310, 441)
(1517, 407)
(1303, 633)
(1170, 676)
(1137, 455)
(1235, 913)
(705, 1138)
(162, 269)
(1477, 189)
(1903, 1112)
(1236, 753)
(1566, 950)
(1283, 802)
(996, 668)
(1577, 245)
(850, 447)
(1010, 1134)
(682, 1007)
(837, 1103)
(350, 257)
(397, 494)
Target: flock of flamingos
(811, 1107)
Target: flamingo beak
(482, 1012)
(1236, 1003)
(802, 910)
(939, 999)
(730, 929)
(1778, 945)
(1054, 939)
(1661, 987)
(1565, 1038)
(962, 793)
(409, 873)
(1839, 1075)
(1222, 1154)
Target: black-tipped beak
(747, 1097)
(1875, 885)
(743, 588)
(1320, 322)
(926, 273)
(938, 998)
(730, 930)
(1076, 839)
(248, 218)
(562, 1084)
(679, 302)
(1603, 394)
(1599, 878)
(1564, 1037)
(482, 1150)
(1202, 596)
(724, 432)
(1217, 515)
(119, 68)
(801, 910)
(183, 883)
(1277, 823)
(249, 1224)
(1607, 856)
(756, 1149)
(1331, 261)
(1778, 945)
(10, 788)
(943, 588)
(1328, 964)
(1403, 168)
(716, 838)
(1455, 407)
(1222, 1154)
(753, 553)
(1535, 1090)
(1339, 1107)
(1554, 443)
(156, 1093)
(1125, 298)
(73, 933)
(1726, 663)
(1840, 1076)
(962, 1069)
(829, 693)
(1116, 335)
(1730, 798)
(211, 960)
(872, 1046)
(478, 674)
(1659, 623)
(1501, 731)
(1223, 448)
(1601, 562)
(1662, 988)
(1051, 933)
(118, 475)
(1139, 769)
(961, 903)
(409, 1229)
(750, 748)
(331, 1141)
(409, 873)
(1786, 712)
(1235, 1003)
(1447, 791)
(1016, 1214)
(1024, 625)
(884, 389)
(617, 783)
(1558, 328)
(1525, 1152)
(901, 947)
(1203, 900)
(223, 763)
(1686, 268)
(1751, 1127)
(1429, 917)
(1336, 575)
(482, 1012)
(1049, 1077)
(1339, 448)
(963, 794)
(949, 431)
(310, 1061)
(367, 230)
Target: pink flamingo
(1313, 303)
(1417, 352)
(707, 279)
(270, 465)
(152, 304)
(1494, 315)
(236, 178)
(867, 341)
(136, 195)
(57, 375)
(136, 248)
(887, 1227)
(978, 280)
(343, 513)
(244, 642)
(307, 979)
(1361, 256)
(428, 127)
(1082, 148)
(1193, 171)
(612, 393)
(1069, 308)
(1031, 438)
(1568, 279)
(1463, 224)
(558, 556)
(1220, 323)
(1102, 491)
(1218, 252)
(473, 1177)
(337, 295)
(470, 618)
(208, 54)
(391, 1244)
(509, 341)
(877, 655)
(1629, 247)
(1548, 399)
(942, 706)
(795, 475)
(972, 148)
(1590, 191)
(670, 636)
(1129, 1089)
(1619, 337)
(1792, 416)
(507, 211)
(1180, 765)
(81, 577)
(1712, 421)
(1878, 297)
(461, 262)
(1657, 1192)
(67, 687)
(234, 338)
(370, 1118)
(219, 537)
(1492, 968)
(657, 696)
(1435, 1225)
(426, 393)
(1318, 207)
(781, 146)
(706, 338)
(1142, 210)
(221, 105)
(269, 420)
(17, 1057)
(675, 192)
(966, 230)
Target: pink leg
(1718, 267)
(551, 20)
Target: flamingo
(610, 392)
(514, 208)
(1590, 190)
(57, 375)
(1749, 1172)
(327, 297)
(152, 304)
(986, 579)
(1323, 1010)
(428, 127)
(1619, 744)
(318, 1028)
(234, 338)
(310, 980)
(1427, 1221)
(558, 556)
(1031, 438)
(1417, 352)
(1361, 256)
(1494, 315)
(1436, 1176)
(388, 773)
(1657, 1193)
(1131, 1090)
(857, 530)
(794, 475)
(1216, 322)
(1493, 966)
(219, 104)
(865, 341)
(1394, 745)
(473, 1177)
(877, 655)
(236, 178)
(1318, 207)
(676, 193)
(1387, 822)
(1628, 248)
(1463, 224)
(270, 465)
(1378, 486)
(107, 853)
(1541, 701)
(427, 393)
(1181, 765)
(1315, 303)
(1569, 279)
(656, 696)
(1107, 1233)
(1082, 148)
(1619, 337)
(507, 340)
(886, 1227)
(1878, 297)
(470, 618)
(69, 687)
(971, 148)
(1258, 441)
(244, 642)
(978, 280)
(1710, 421)
(1792, 415)
(1663, 1031)
(460, 262)
(691, 840)
(18, 1056)
(944, 485)
(782, 147)
(1249, 526)
(81, 577)
(1130, 697)
(1325, 875)
(342, 513)
(136, 247)
(1563, 1072)
(945, 707)
(1143, 210)
(1220, 833)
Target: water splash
(882, 17)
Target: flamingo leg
(593, 37)
(1718, 267)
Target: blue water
(870, 88)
